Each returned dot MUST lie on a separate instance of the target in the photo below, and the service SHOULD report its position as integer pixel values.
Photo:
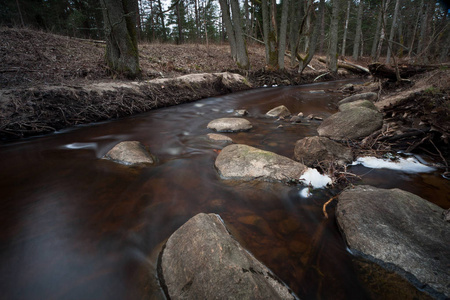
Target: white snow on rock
(408, 165)
(314, 178)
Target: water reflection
(76, 226)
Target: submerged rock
(201, 260)
(247, 163)
(399, 228)
(358, 103)
(130, 153)
(279, 111)
(354, 123)
(313, 150)
(364, 96)
(219, 137)
(230, 124)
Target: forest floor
(42, 74)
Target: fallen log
(406, 71)
(348, 66)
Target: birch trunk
(344, 39)
(228, 27)
(241, 48)
(358, 31)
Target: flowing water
(75, 226)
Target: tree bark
(322, 25)
(384, 5)
(373, 53)
(228, 27)
(265, 19)
(241, 48)
(391, 34)
(358, 31)
(344, 39)
(295, 16)
(332, 52)
(283, 29)
(121, 39)
(303, 63)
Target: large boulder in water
(364, 96)
(351, 124)
(313, 150)
(130, 153)
(230, 124)
(399, 229)
(201, 260)
(247, 163)
(279, 111)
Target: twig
(321, 76)
(324, 207)
(440, 154)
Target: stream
(75, 226)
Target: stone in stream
(230, 124)
(364, 96)
(247, 163)
(201, 260)
(357, 103)
(354, 123)
(397, 228)
(130, 153)
(219, 137)
(313, 150)
(279, 111)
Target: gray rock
(219, 137)
(279, 111)
(201, 260)
(351, 124)
(230, 124)
(357, 103)
(313, 150)
(364, 96)
(399, 228)
(296, 119)
(247, 163)
(130, 153)
(241, 112)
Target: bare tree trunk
(283, 29)
(322, 25)
(373, 53)
(308, 30)
(391, 35)
(384, 4)
(197, 21)
(332, 52)
(180, 24)
(416, 26)
(241, 48)
(303, 63)
(161, 16)
(247, 17)
(358, 31)
(229, 27)
(121, 39)
(344, 39)
(295, 16)
(20, 13)
(265, 17)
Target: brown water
(75, 226)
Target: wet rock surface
(364, 96)
(312, 151)
(219, 137)
(248, 163)
(354, 123)
(399, 229)
(230, 125)
(201, 260)
(358, 103)
(130, 153)
(279, 111)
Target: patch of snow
(274, 85)
(199, 104)
(305, 193)
(229, 111)
(408, 165)
(265, 85)
(314, 178)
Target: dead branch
(324, 207)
